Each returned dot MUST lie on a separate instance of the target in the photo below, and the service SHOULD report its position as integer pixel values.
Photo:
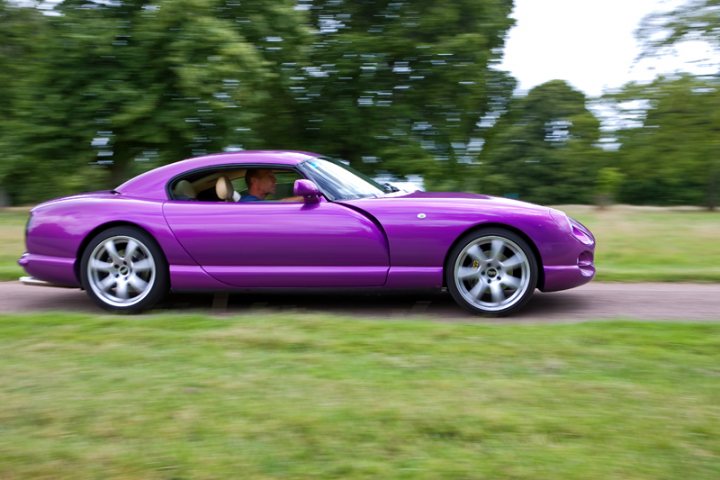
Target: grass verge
(283, 396)
(12, 242)
(638, 244)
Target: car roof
(151, 185)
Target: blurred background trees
(94, 92)
(543, 147)
(674, 157)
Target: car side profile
(181, 227)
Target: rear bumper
(34, 282)
(53, 271)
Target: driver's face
(267, 182)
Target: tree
(401, 85)
(115, 88)
(22, 33)
(609, 180)
(692, 20)
(673, 157)
(166, 82)
(542, 148)
(119, 87)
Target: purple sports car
(279, 219)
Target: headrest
(224, 189)
(185, 189)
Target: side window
(201, 185)
(285, 183)
(183, 190)
(240, 186)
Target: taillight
(27, 227)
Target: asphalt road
(639, 301)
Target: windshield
(338, 181)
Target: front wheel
(492, 271)
(123, 270)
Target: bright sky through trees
(591, 44)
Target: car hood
(441, 208)
(469, 200)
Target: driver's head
(260, 182)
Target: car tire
(123, 270)
(491, 271)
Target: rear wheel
(491, 271)
(123, 270)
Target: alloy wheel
(121, 271)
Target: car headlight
(572, 226)
(561, 219)
(581, 232)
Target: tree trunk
(712, 191)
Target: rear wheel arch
(481, 226)
(106, 226)
(123, 269)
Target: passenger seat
(184, 191)
(224, 189)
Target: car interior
(227, 185)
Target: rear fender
(62, 229)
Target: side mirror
(306, 189)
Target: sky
(589, 43)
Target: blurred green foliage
(674, 158)
(95, 92)
(543, 147)
(120, 87)
(608, 184)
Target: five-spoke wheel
(123, 269)
(491, 271)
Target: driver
(261, 182)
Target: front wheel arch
(491, 271)
(533, 247)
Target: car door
(281, 244)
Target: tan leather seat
(224, 189)
(184, 190)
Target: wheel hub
(492, 273)
(121, 271)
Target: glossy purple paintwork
(397, 241)
(283, 244)
(306, 189)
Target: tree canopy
(113, 88)
(673, 157)
(96, 91)
(542, 148)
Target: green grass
(12, 242)
(163, 397)
(646, 244)
(634, 244)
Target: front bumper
(573, 262)
(564, 277)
